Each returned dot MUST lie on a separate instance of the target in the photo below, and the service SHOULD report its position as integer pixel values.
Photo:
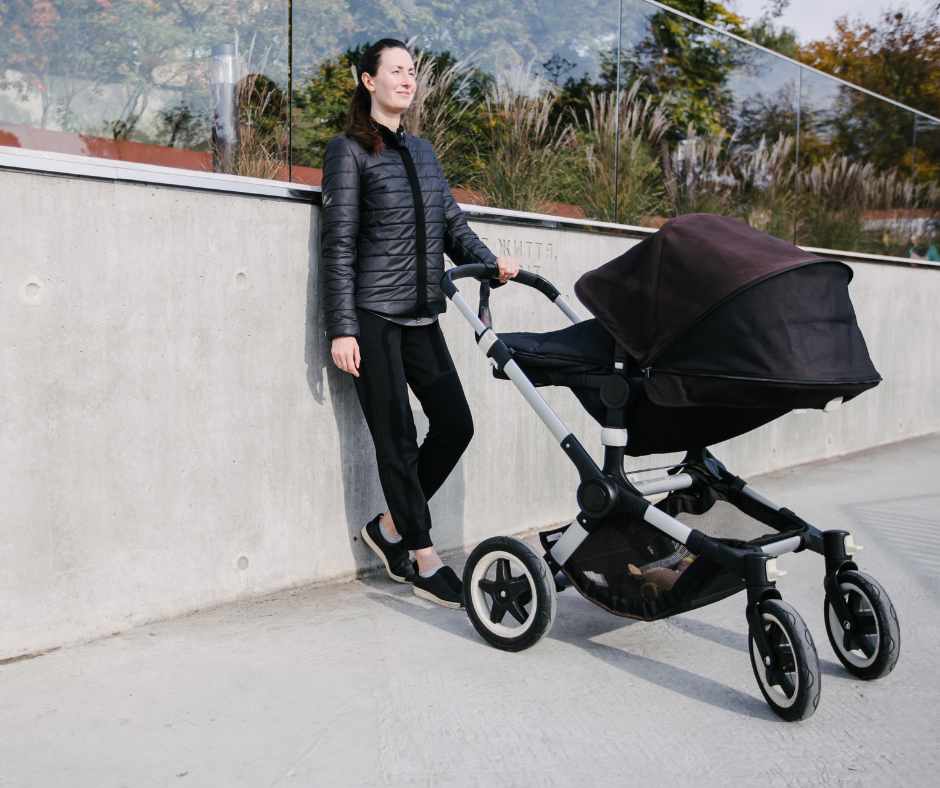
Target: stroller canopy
(723, 314)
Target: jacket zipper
(420, 230)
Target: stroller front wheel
(792, 689)
(509, 593)
(869, 648)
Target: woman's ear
(369, 81)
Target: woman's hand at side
(345, 352)
(508, 268)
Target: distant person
(933, 248)
(916, 249)
(388, 218)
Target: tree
(898, 57)
(116, 55)
(622, 179)
(687, 65)
(53, 49)
(767, 116)
(495, 36)
(320, 104)
(523, 145)
(766, 32)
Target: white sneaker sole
(436, 599)
(375, 549)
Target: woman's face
(393, 87)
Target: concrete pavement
(363, 684)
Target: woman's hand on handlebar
(345, 352)
(508, 268)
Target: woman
(388, 218)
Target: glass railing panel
(200, 86)
(502, 94)
(520, 102)
(762, 116)
(925, 148)
(925, 165)
(857, 181)
(721, 121)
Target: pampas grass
(523, 145)
(624, 182)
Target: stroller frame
(607, 490)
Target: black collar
(394, 139)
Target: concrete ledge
(70, 165)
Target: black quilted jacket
(378, 252)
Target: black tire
(874, 651)
(508, 567)
(794, 647)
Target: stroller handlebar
(538, 282)
(483, 271)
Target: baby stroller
(703, 331)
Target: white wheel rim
(479, 600)
(856, 656)
(775, 691)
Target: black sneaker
(394, 555)
(443, 587)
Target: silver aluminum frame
(575, 534)
(570, 541)
(487, 339)
(563, 305)
(781, 546)
(681, 481)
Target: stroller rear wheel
(870, 647)
(509, 593)
(792, 689)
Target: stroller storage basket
(630, 569)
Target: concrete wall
(172, 434)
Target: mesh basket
(635, 570)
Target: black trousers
(394, 357)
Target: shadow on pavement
(454, 622)
(738, 642)
(577, 623)
(691, 685)
(585, 624)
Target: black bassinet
(723, 328)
